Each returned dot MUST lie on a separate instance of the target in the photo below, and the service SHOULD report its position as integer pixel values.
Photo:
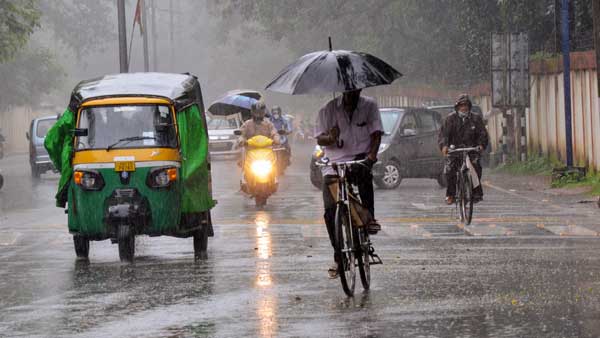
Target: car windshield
(215, 124)
(144, 125)
(43, 126)
(389, 118)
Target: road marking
(516, 194)
(485, 230)
(570, 230)
(9, 238)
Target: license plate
(125, 166)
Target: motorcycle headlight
(318, 152)
(261, 168)
(88, 179)
(162, 177)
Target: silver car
(221, 140)
(38, 156)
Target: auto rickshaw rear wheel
(82, 246)
(201, 243)
(126, 241)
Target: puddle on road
(266, 306)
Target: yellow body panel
(111, 101)
(140, 155)
(260, 141)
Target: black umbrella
(245, 92)
(232, 104)
(333, 71)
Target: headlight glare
(261, 168)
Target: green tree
(18, 20)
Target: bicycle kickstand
(375, 259)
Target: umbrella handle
(340, 143)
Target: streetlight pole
(154, 37)
(566, 53)
(123, 64)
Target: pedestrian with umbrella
(348, 127)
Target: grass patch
(591, 180)
(537, 165)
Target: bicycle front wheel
(345, 250)
(364, 266)
(468, 198)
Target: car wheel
(391, 177)
(35, 171)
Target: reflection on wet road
(527, 267)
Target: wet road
(527, 267)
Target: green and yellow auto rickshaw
(132, 150)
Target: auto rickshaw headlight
(88, 179)
(162, 177)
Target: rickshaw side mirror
(237, 133)
(80, 132)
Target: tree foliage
(18, 20)
(431, 41)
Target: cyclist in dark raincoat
(462, 129)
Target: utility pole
(596, 16)
(566, 53)
(123, 64)
(171, 38)
(145, 36)
(154, 37)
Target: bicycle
(353, 246)
(464, 184)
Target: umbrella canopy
(246, 92)
(333, 71)
(232, 104)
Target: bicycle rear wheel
(362, 257)
(468, 198)
(345, 250)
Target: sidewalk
(539, 188)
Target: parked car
(221, 140)
(38, 156)
(409, 148)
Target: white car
(222, 141)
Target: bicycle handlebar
(331, 164)
(464, 150)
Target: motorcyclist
(258, 125)
(280, 123)
(461, 129)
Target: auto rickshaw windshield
(126, 126)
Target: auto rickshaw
(132, 150)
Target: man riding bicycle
(462, 129)
(349, 128)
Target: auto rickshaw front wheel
(201, 243)
(82, 246)
(126, 240)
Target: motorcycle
(283, 152)
(259, 169)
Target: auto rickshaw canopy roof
(182, 89)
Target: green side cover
(59, 144)
(197, 184)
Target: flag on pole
(138, 16)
